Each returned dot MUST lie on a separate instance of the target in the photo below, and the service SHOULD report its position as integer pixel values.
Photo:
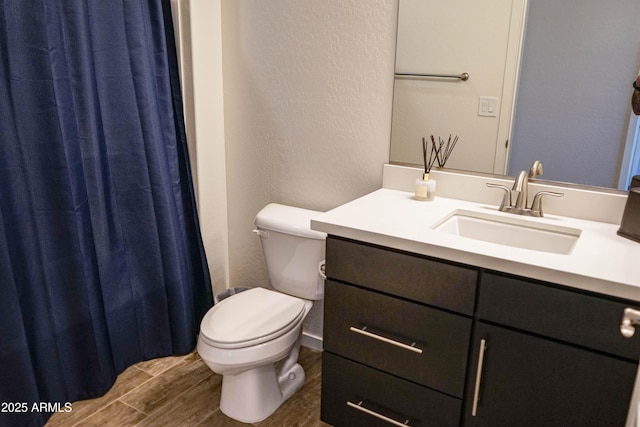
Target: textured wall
(307, 94)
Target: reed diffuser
(426, 187)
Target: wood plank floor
(183, 391)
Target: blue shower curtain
(101, 259)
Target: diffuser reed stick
(443, 149)
(433, 154)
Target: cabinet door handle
(630, 318)
(361, 408)
(366, 333)
(476, 390)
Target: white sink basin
(513, 231)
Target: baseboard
(311, 341)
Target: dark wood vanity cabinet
(548, 356)
(411, 340)
(397, 329)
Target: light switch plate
(488, 106)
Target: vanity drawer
(584, 319)
(346, 384)
(422, 344)
(407, 275)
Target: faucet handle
(506, 200)
(536, 205)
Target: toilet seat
(251, 317)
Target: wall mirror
(563, 100)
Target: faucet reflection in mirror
(520, 190)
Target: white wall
(307, 97)
(199, 42)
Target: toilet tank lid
(289, 220)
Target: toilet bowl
(253, 338)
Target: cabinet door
(529, 381)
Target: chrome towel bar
(464, 76)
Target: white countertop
(601, 261)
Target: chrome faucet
(520, 192)
(521, 189)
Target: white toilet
(253, 337)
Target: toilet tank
(292, 250)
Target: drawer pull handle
(361, 408)
(366, 333)
(476, 390)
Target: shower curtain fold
(101, 259)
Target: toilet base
(253, 395)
